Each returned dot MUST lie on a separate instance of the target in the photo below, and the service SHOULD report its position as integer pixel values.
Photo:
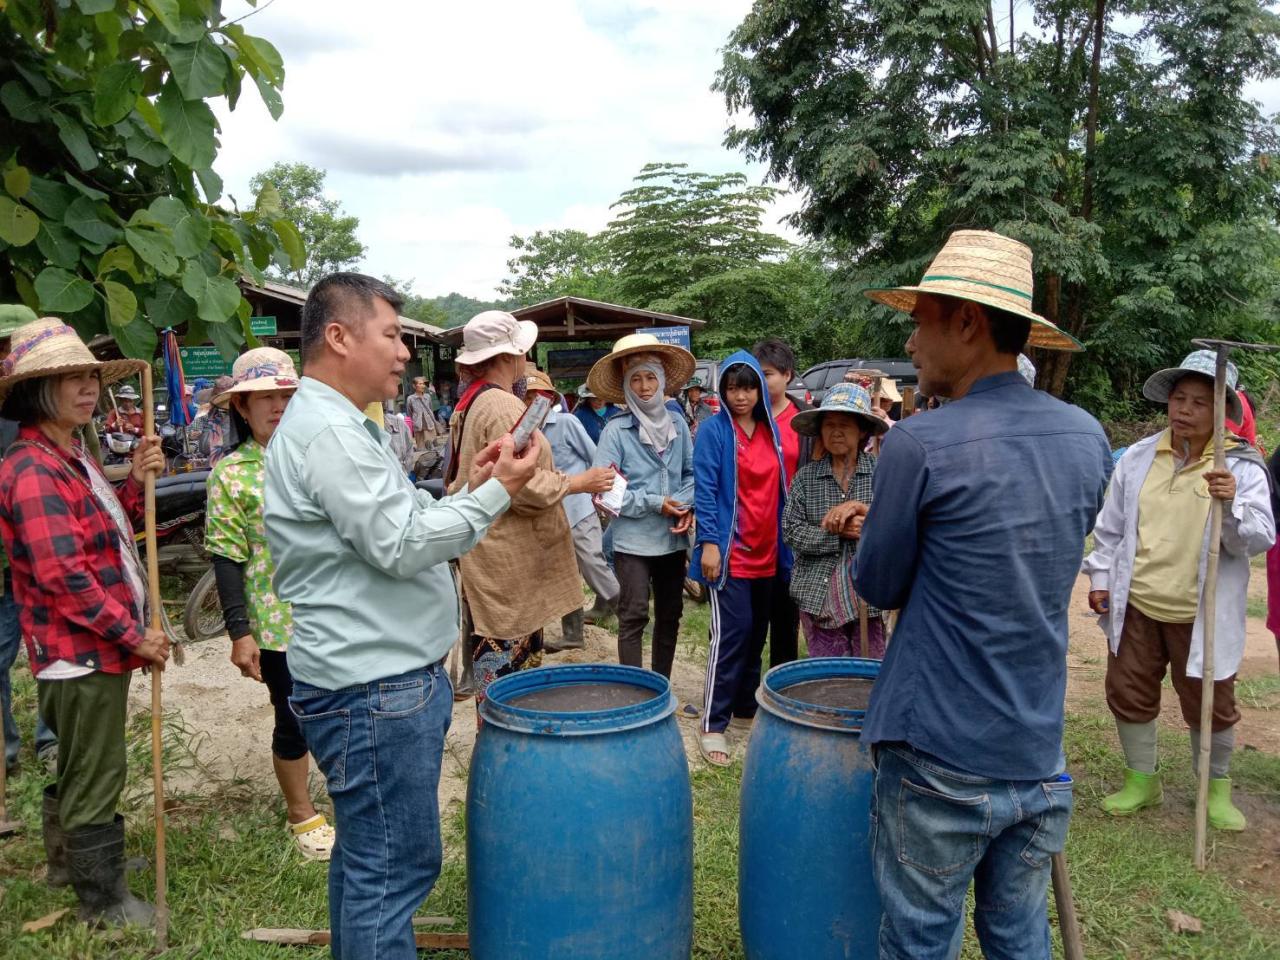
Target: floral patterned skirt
(493, 658)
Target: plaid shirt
(74, 602)
(818, 554)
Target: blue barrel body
(806, 890)
(579, 825)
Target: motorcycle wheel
(202, 618)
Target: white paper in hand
(611, 501)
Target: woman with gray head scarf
(651, 447)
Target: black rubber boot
(96, 854)
(570, 633)
(601, 610)
(55, 841)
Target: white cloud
(445, 128)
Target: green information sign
(262, 326)
(203, 362)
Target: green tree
(110, 214)
(677, 227)
(558, 263)
(328, 233)
(1115, 137)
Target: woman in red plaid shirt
(81, 595)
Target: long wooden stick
(864, 628)
(1068, 922)
(1210, 592)
(157, 709)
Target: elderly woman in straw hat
(1146, 574)
(532, 537)
(258, 622)
(821, 527)
(81, 594)
(651, 447)
(980, 515)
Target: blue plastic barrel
(580, 821)
(805, 884)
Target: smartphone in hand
(534, 416)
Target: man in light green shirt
(362, 558)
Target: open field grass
(229, 869)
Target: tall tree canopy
(328, 233)
(558, 263)
(1113, 136)
(110, 213)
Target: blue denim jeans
(10, 642)
(379, 746)
(935, 829)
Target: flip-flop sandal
(709, 743)
(687, 711)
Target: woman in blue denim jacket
(652, 449)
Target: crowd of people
(344, 587)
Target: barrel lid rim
(494, 710)
(771, 697)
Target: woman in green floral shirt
(258, 622)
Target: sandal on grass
(687, 711)
(314, 837)
(711, 743)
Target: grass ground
(229, 869)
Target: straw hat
(847, 398)
(257, 370)
(493, 332)
(986, 268)
(605, 378)
(888, 388)
(535, 379)
(1201, 362)
(48, 347)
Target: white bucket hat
(1203, 363)
(260, 369)
(987, 268)
(493, 332)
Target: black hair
(341, 298)
(240, 431)
(740, 375)
(776, 353)
(1008, 331)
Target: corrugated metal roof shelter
(575, 318)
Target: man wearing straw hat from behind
(975, 534)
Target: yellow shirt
(1173, 508)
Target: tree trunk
(1091, 118)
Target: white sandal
(709, 743)
(314, 837)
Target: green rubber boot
(1140, 790)
(1223, 814)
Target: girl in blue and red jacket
(740, 488)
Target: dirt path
(232, 718)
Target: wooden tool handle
(1068, 922)
(157, 708)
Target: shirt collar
(1165, 445)
(1009, 379)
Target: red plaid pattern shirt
(68, 571)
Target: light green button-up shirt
(360, 554)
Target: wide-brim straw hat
(850, 398)
(493, 332)
(888, 388)
(605, 378)
(986, 268)
(48, 347)
(259, 370)
(1201, 362)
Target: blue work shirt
(572, 452)
(976, 531)
(640, 529)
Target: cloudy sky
(446, 127)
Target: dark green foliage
(1150, 205)
(328, 234)
(110, 206)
